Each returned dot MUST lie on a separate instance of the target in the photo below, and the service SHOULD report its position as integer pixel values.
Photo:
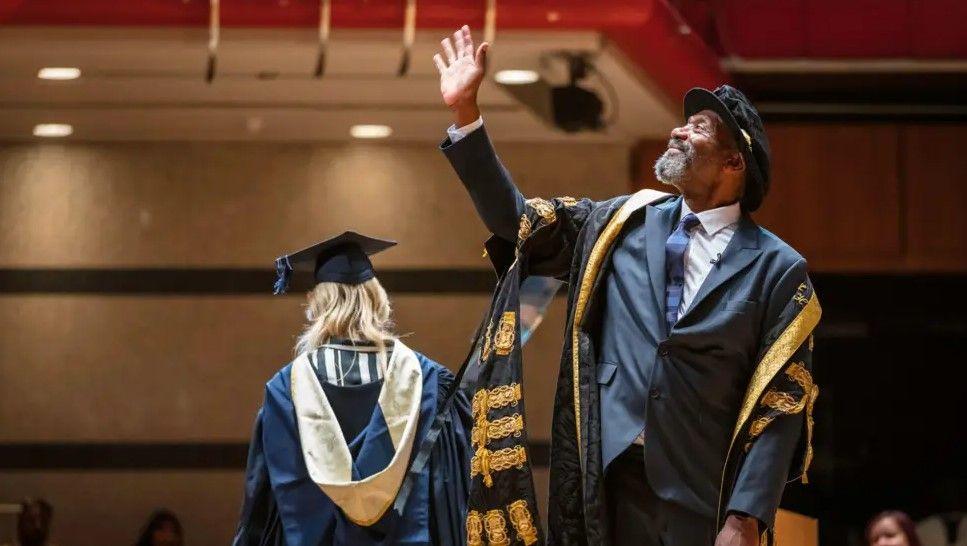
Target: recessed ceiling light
(516, 77)
(59, 73)
(370, 131)
(53, 130)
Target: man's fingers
(461, 46)
(481, 57)
(448, 49)
(468, 40)
(440, 65)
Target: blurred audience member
(891, 528)
(162, 529)
(33, 523)
(944, 529)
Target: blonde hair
(359, 312)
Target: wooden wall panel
(176, 369)
(241, 205)
(835, 195)
(934, 170)
(102, 508)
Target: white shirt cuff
(456, 133)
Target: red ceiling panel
(939, 28)
(762, 28)
(857, 28)
(837, 29)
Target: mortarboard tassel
(283, 272)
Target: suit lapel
(741, 251)
(658, 226)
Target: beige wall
(113, 368)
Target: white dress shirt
(708, 241)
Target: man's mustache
(679, 145)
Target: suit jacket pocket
(606, 371)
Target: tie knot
(689, 221)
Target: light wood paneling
(835, 195)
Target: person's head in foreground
(891, 528)
(721, 154)
(162, 529)
(33, 523)
(347, 303)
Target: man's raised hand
(462, 70)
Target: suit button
(655, 394)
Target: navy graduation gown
(284, 506)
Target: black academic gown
(750, 329)
(283, 506)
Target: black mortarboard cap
(743, 120)
(343, 259)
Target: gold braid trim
(496, 527)
(485, 430)
(497, 397)
(543, 208)
(504, 336)
(567, 200)
(784, 402)
(808, 458)
(485, 462)
(797, 372)
(487, 347)
(757, 427)
(474, 528)
(523, 522)
(524, 231)
(793, 336)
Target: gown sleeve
(450, 470)
(259, 524)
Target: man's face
(695, 152)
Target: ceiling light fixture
(370, 131)
(516, 77)
(53, 130)
(59, 73)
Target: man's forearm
(496, 198)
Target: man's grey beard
(672, 168)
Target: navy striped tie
(675, 248)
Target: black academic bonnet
(746, 126)
(343, 259)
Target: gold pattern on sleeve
(543, 208)
(487, 347)
(523, 522)
(784, 402)
(498, 397)
(474, 528)
(567, 201)
(801, 296)
(797, 372)
(808, 458)
(496, 527)
(486, 462)
(504, 395)
(757, 427)
(504, 336)
(484, 431)
(524, 231)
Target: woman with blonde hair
(360, 440)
